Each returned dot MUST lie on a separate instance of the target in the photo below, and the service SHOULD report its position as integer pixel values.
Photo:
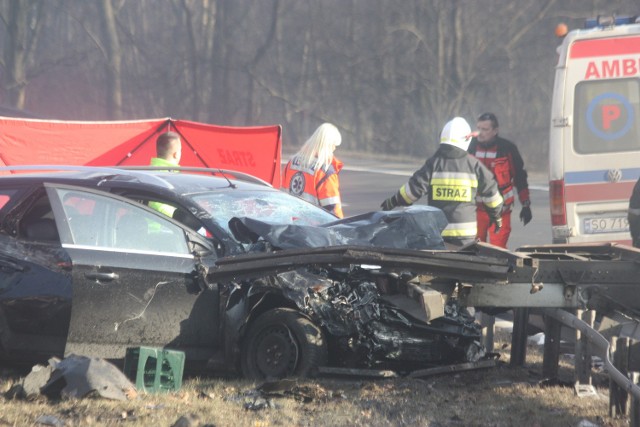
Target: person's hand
(525, 214)
(393, 201)
(498, 224)
(390, 203)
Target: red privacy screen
(254, 150)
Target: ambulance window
(607, 116)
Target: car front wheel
(282, 343)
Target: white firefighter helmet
(456, 132)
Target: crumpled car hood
(415, 227)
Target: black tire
(282, 343)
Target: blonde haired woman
(312, 173)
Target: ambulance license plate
(614, 224)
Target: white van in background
(594, 152)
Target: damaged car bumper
(376, 308)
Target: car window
(5, 196)
(607, 113)
(100, 221)
(170, 209)
(37, 223)
(269, 206)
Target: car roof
(189, 180)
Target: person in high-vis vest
(168, 153)
(312, 173)
(452, 179)
(502, 157)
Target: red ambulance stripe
(598, 192)
(605, 47)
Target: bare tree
(22, 20)
(389, 73)
(113, 55)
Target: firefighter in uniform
(503, 159)
(634, 215)
(452, 179)
(312, 173)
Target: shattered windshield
(269, 206)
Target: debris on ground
(74, 377)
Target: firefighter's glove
(392, 202)
(525, 214)
(498, 224)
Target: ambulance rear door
(596, 159)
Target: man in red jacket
(503, 159)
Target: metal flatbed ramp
(599, 277)
(560, 281)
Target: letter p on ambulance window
(607, 116)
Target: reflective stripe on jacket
(452, 179)
(503, 159)
(320, 187)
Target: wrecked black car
(244, 279)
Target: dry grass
(502, 396)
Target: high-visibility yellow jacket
(168, 210)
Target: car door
(35, 285)
(135, 280)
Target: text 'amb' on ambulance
(594, 152)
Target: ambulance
(594, 151)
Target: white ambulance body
(594, 152)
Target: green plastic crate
(154, 370)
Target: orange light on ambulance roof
(561, 30)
